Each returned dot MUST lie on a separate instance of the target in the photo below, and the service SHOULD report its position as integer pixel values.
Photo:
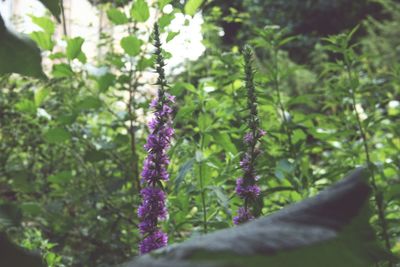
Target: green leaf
(191, 6)
(82, 57)
(131, 45)
(62, 70)
(140, 11)
(57, 135)
(19, 54)
(26, 106)
(222, 198)
(116, 16)
(163, 3)
(43, 40)
(145, 63)
(74, 47)
(283, 169)
(105, 81)
(95, 156)
(165, 20)
(41, 95)
(225, 141)
(31, 208)
(183, 171)
(172, 35)
(54, 7)
(89, 103)
(45, 23)
(60, 178)
(392, 193)
(204, 122)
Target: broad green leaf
(105, 81)
(56, 135)
(43, 40)
(45, 23)
(54, 6)
(222, 198)
(185, 112)
(26, 106)
(392, 193)
(204, 122)
(19, 54)
(116, 16)
(95, 156)
(82, 57)
(225, 141)
(67, 119)
(60, 178)
(131, 45)
(145, 63)
(140, 11)
(62, 70)
(163, 3)
(172, 35)
(74, 47)
(89, 103)
(191, 6)
(165, 20)
(41, 95)
(183, 171)
(57, 55)
(283, 169)
(31, 208)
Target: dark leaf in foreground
(19, 54)
(54, 6)
(328, 230)
(14, 256)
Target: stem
(132, 88)
(377, 195)
(292, 151)
(203, 196)
(280, 103)
(64, 23)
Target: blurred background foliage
(71, 145)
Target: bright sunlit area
(83, 19)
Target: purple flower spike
(153, 241)
(153, 207)
(246, 187)
(247, 192)
(243, 216)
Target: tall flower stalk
(153, 207)
(246, 186)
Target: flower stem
(378, 198)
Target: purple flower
(153, 241)
(153, 207)
(153, 204)
(243, 216)
(261, 132)
(248, 138)
(248, 192)
(246, 187)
